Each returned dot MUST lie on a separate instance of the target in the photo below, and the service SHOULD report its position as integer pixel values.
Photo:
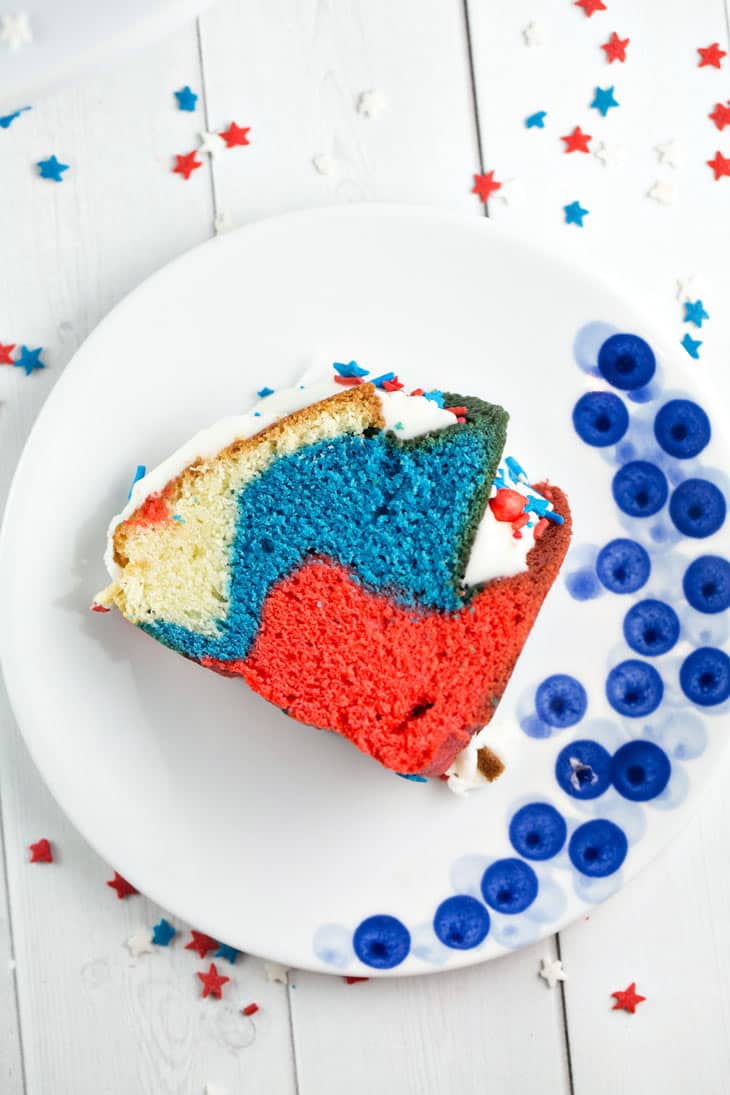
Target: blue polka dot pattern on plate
(583, 585)
(583, 769)
(600, 418)
(598, 848)
(623, 566)
(682, 428)
(561, 701)
(381, 942)
(509, 886)
(705, 676)
(640, 488)
(537, 831)
(707, 584)
(697, 508)
(634, 688)
(641, 770)
(651, 627)
(461, 922)
(626, 361)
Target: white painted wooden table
(78, 1016)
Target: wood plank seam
(11, 941)
(206, 118)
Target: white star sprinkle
(551, 971)
(662, 192)
(687, 288)
(15, 30)
(371, 104)
(669, 153)
(534, 34)
(140, 943)
(223, 222)
(276, 972)
(324, 164)
(211, 143)
(611, 155)
(213, 1089)
(509, 192)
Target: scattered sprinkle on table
(212, 982)
(536, 120)
(574, 213)
(692, 346)
(6, 120)
(235, 135)
(276, 972)
(370, 104)
(201, 943)
(669, 153)
(223, 222)
(509, 191)
(15, 30)
(694, 312)
(140, 943)
(121, 886)
(604, 100)
(662, 192)
(250, 1009)
(577, 141)
(628, 1000)
(711, 56)
(29, 360)
(533, 34)
(720, 115)
(162, 933)
(551, 970)
(6, 352)
(687, 287)
(186, 99)
(590, 7)
(212, 143)
(213, 1089)
(615, 48)
(229, 953)
(356, 980)
(324, 164)
(611, 155)
(185, 165)
(52, 169)
(720, 165)
(41, 851)
(485, 185)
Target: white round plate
(271, 836)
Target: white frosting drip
(496, 551)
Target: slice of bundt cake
(356, 554)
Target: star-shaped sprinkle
(263, 392)
(235, 135)
(223, 222)
(370, 104)
(662, 192)
(349, 368)
(694, 312)
(509, 191)
(533, 34)
(229, 953)
(720, 115)
(51, 169)
(720, 165)
(212, 982)
(140, 943)
(691, 345)
(536, 120)
(551, 970)
(201, 943)
(276, 972)
(590, 7)
(6, 120)
(41, 852)
(185, 165)
(611, 155)
(250, 1009)
(615, 48)
(628, 1000)
(577, 141)
(211, 143)
(29, 360)
(604, 99)
(122, 887)
(186, 98)
(669, 153)
(324, 164)
(687, 287)
(162, 933)
(711, 56)
(485, 185)
(574, 213)
(6, 353)
(15, 30)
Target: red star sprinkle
(250, 1009)
(212, 982)
(710, 55)
(99, 608)
(720, 116)
(185, 165)
(123, 888)
(720, 165)
(348, 381)
(40, 852)
(628, 999)
(577, 141)
(393, 385)
(235, 135)
(201, 943)
(355, 980)
(590, 7)
(5, 352)
(615, 48)
(485, 185)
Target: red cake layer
(408, 686)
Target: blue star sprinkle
(691, 345)
(694, 312)
(378, 381)
(603, 100)
(29, 359)
(162, 933)
(264, 392)
(536, 120)
(574, 213)
(350, 369)
(139, 474)
(435, 396)
(186, 98)
(229, 953)
(7, 119)
(414, 779)
(51, 169)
